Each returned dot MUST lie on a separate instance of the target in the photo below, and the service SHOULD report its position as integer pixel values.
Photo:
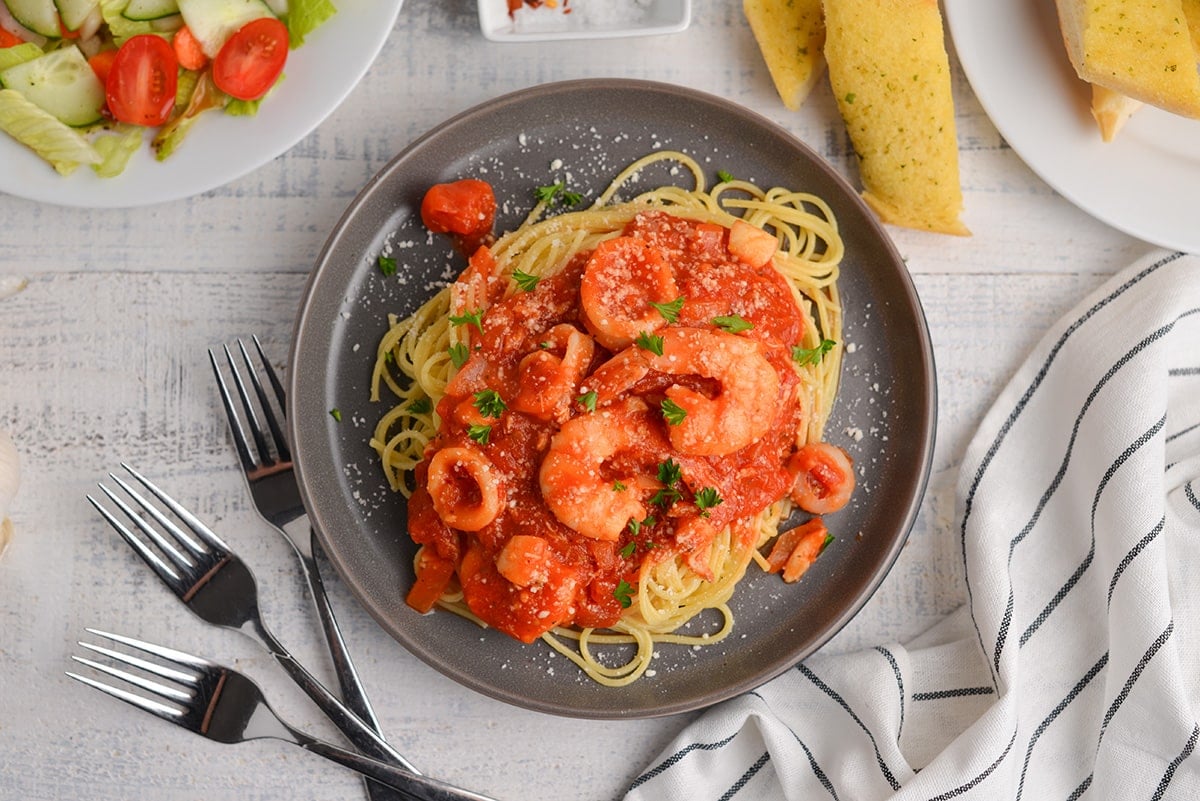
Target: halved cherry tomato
(187, 49)
(142, 82)
(9, 39)
(250, 62)
(101, 64)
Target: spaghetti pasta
(623, 387)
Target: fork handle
(353, 693)
(356, 730)
(412, 785)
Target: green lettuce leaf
(117, 148)
(59, 144)
(12, 56)
(304, 17)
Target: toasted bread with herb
(891, 77)
(790, 34)
(1139, 48)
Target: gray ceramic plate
(583, 132)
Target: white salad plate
(1146, 182)
(219, 148)
(583, 19)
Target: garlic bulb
(10, 478)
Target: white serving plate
(1146, 182)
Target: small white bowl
(583, 19)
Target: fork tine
(256, 430)
(141, 702)
(280, 395)
(281, 440)
(206, 535)
(164, 571)
(276, 432)
(132, 678)
(159, 540)
(235, 419)
(170, 654)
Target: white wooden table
(102, 359)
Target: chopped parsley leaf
(489, 403)
(618, 486)
(481, 434)
(669, 311)
(732, 323)
(672, 412)
(706, 499)
(474, 318)
(635, 526)
(669, 472)
(587, 400)
(665, 497)
(825, 543)
(804, 356)
(650, 342)
(420, 406)
(387, 265)
(624, 594)
(557, 192)
(525, 281)
(336, 414)
(628, 550)
(724, 177)
(459, 354)
(850, 97)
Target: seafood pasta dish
(613, 411)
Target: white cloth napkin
(1074, 670)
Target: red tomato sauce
(585, 574)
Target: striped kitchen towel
(1073, 672)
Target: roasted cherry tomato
(464, 209)
(142, 81)
(250, 62)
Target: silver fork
(226, 706)
(219, 588)
(267, 467)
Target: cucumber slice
(212, 22)
(61, 146)
(61, 83)
(150, 9)
(75, 12)
(39, 16)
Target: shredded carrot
(101, 64)
(188, 51)
(9, 39)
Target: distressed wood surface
(103, 359)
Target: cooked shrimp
(742, 409)
(622, 278)
(465, 487)
(524, 560)
(550, 377)
(824, 478)
(581, 493)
